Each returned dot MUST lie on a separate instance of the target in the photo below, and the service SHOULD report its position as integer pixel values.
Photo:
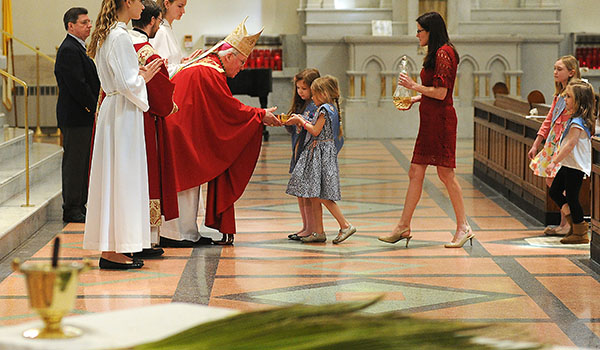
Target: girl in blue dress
(316, 173)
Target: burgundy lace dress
(436, 141)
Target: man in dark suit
(78, 88)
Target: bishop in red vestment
(214, 137)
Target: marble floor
(512, 275)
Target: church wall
(538, 62)
(36, 23)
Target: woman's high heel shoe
(469, 235)
(397, 236)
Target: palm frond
(336, 326)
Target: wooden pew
(502, 138)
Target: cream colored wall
(580, 16)
(40, 21)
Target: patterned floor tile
(533, 287)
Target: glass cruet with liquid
(402, 95)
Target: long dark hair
(585, 102)
(434, 24)
(308, 76)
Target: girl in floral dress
(551, 130)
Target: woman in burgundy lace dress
(436, 141)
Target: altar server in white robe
(165, 42)
(118, 215)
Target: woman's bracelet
(304, 125)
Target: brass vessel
(52, 292)
(284, 117)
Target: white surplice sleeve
(124, 64)
(166, 45)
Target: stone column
(478, 76)
(453, 15)
(356, 81)
(389, 81)
(514, 78)
(412, 12)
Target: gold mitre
(240, 39)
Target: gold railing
(38, 53)
(22, 83)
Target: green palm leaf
(331, 327)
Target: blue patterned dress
(299, 138)
(316, 174)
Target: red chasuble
(215, 139)
(161, 175)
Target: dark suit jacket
(78, 85)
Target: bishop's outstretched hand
(271, 119)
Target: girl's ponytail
(337, 105)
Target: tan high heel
(397, 236)
(469, 235)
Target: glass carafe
(402, 95)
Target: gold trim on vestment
(155, 218)
(207, 62)
(144, 53)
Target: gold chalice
(52, 292)
(284, 117)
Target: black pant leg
(572, 188)
(558, 187)
(75, 169)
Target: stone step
(510, 15)
(12, 141)
(347, 15)
(510, 27)
(45, 162)
(19, 223)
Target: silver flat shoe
(314, 238)
(344, 234)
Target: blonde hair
(328, 88)
(163, 8)
(307, 76)
(572, 65)
(585, 102)
(106, 18)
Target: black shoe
(172, 243)
(111, 265)
(79, 218)
(226, 240)
(147, 253)
(204, 241)
(294, 237)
